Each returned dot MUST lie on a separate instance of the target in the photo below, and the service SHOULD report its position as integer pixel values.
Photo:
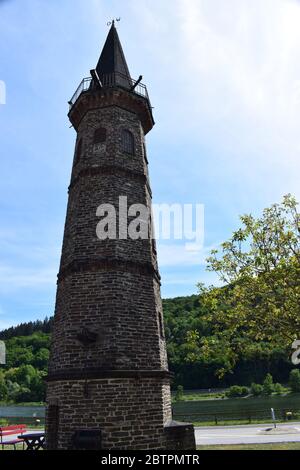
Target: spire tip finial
(112, 22)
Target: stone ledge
(108, 264)
(109, 170)
(88, 374)
(108, 97)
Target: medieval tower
(108, 384)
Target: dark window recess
(100, 135)
(78, 151)
(127, 142)
(161, 325)
(87, 439)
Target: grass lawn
(18, 447)
(275, 446)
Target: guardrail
(111, 80)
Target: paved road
(243, 434)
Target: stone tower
(108, 370)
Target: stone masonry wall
(108, 365)
(128, 411)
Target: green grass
(18, 447)
(275, 446)
(194, 396)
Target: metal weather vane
(113, 21)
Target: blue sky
(224, 78)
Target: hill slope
(28, 351)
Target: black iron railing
(109, 81)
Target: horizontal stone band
(107, 264)
(111, 170)
(89, 374)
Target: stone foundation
(129, 412)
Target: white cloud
(177, 255)
(243, 77)
(14, 278)
(226, 74)
(171, 254)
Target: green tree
(260, 267)
(278, 388)
(13, 389)
(3, 387)
(41, 358)
(294, 381)
(179, 393)
(237, 391)
(256, 389)
(268, 385)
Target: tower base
(131, 414)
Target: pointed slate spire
(112, 68)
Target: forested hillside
(184, 319)
(22, 379)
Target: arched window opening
(100, 136)
(127, 142)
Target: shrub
(179, 393)
(3, 388)
(237, 391)
(294, 380)
(256, 389)
(268, 385)
(278, 388)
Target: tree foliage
(22, 379)
(295, 380)
(196, 354)
(260, 266)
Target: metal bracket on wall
(87, 337)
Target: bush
(256, 389)
(13, 389)
(3, 388)
(278, 388)
(236, 391)
(179, 393)
(24, 395)
(268, 385)
(294, 380)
